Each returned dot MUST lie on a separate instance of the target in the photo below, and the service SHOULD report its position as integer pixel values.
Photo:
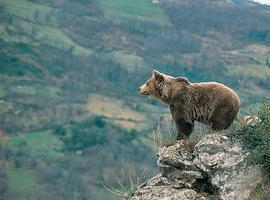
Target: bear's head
(162, 86)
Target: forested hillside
(70, 115)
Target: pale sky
(267, 2)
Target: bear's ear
(183, 80)
(158, 76)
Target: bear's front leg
(184, 129)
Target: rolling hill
(70, 112)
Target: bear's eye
(147, 83)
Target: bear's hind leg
(222, 119)
(184, 129)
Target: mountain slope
(70, 72)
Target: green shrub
(59, 130)
(256, 138)
(99, 122)
(84, 139)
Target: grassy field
(21, 183)
(29, 90)
(249, 70)
(2, 92)
(38, 24)
(129, 61)
(41, 91)
(42, 143)
(141, 9)
(53, 36)
(116, 111)
(256, 53)
(28, 10)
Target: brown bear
(211, 103)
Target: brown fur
(211, 103)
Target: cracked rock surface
(190, 170)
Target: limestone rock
(225, 162)
(159, 188)
(215, 162)
(176, 163)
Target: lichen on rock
(214, 165)
(160, 188)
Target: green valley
(70, 115)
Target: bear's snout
(142, 90)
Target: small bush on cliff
(256, 137)
(161, 135)
(84, 134)
(127, 184)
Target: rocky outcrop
(214, 166)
